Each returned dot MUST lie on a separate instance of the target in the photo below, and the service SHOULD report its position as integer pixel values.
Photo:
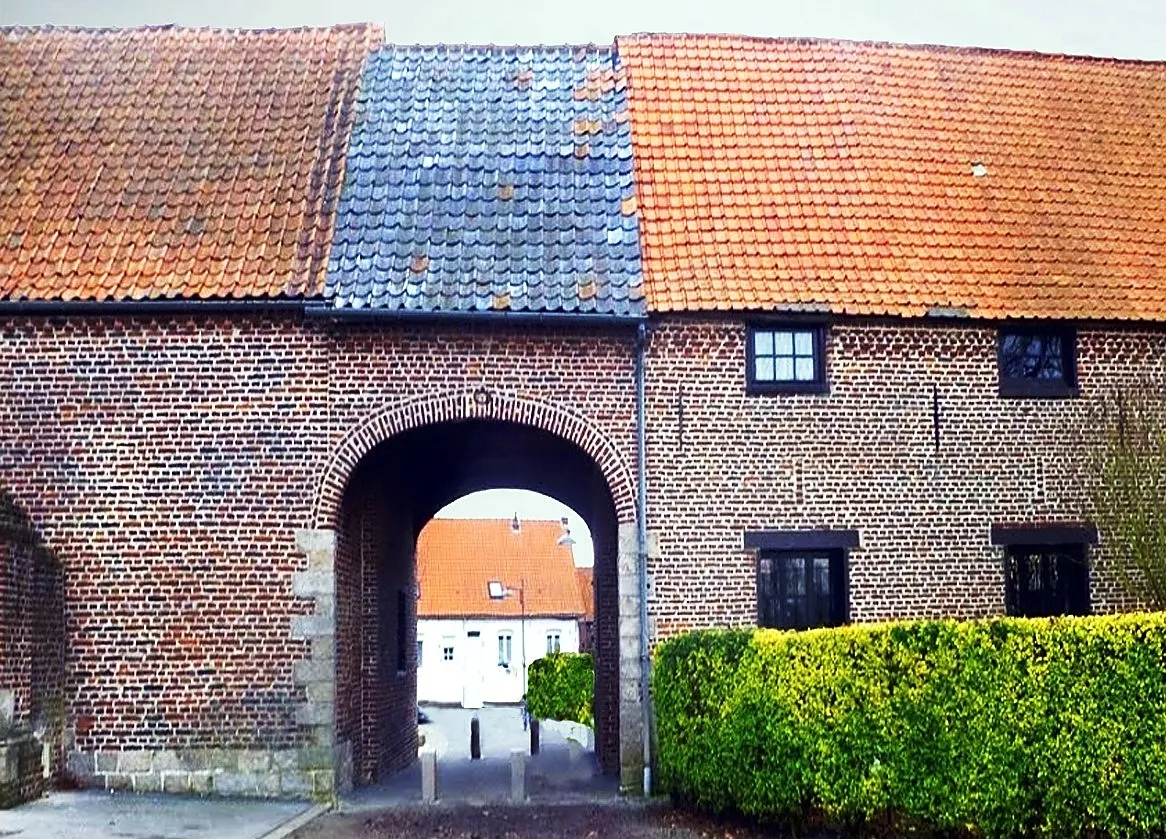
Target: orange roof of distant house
(876, 179)
(165, 162)
(587, 591)
(457, 559)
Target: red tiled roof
(587, 591)
(874, 179)
(457, 559)
(166, 162)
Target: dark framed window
(786, 358)
(1037, 361)
(1046, 580)
(801, 589)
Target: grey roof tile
(487, 177)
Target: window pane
(804, 343)
(784, 370)
(803, 591)
(1047, 581)
(783, 343)
(821, 579)
(764, 369)
(804, 369)
(794, 576)
(1038, 356)
(763, 343)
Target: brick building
(268, 301)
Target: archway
(404, 465)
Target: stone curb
(296, 822)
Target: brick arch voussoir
(402, 416)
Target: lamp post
(521, 637)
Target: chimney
(515, 524)
(566, 538)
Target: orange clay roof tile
(878, 179)
(163, 162)
(458, 558)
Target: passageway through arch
(394, 490)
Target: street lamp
(521, 592)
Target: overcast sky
(1125, 28)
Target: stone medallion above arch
(464, 405)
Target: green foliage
(561, 686)
(1127, 496)
(1001, 728)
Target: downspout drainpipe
(642, 557)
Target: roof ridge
(810, 40)
(466, 47)
(176, 27)
(497, 519)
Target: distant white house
(495, 595)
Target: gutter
(52, 308)
(642, 557)
(489, 316)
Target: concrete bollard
(517, 775)
(574, 751)
(475, 738)
(429, 776)
(534, 743)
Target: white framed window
(419, 648)
(554, 641)
(496, 590)
(505, 648)
(447, 649)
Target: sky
(1121, 28)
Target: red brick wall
(169, 463)
(32, 649)
(350, 606)
(863, 456)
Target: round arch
(467, 405)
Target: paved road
(100, 815)
(561, 772)
(448, 732)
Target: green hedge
(1001, 728)
(561, 686)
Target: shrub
(561, 686)
(1002, 728)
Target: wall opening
(505, 578)
(394, 491)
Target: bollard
(475, 738)
(517, 775)
(534, 744)
(429, 776)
